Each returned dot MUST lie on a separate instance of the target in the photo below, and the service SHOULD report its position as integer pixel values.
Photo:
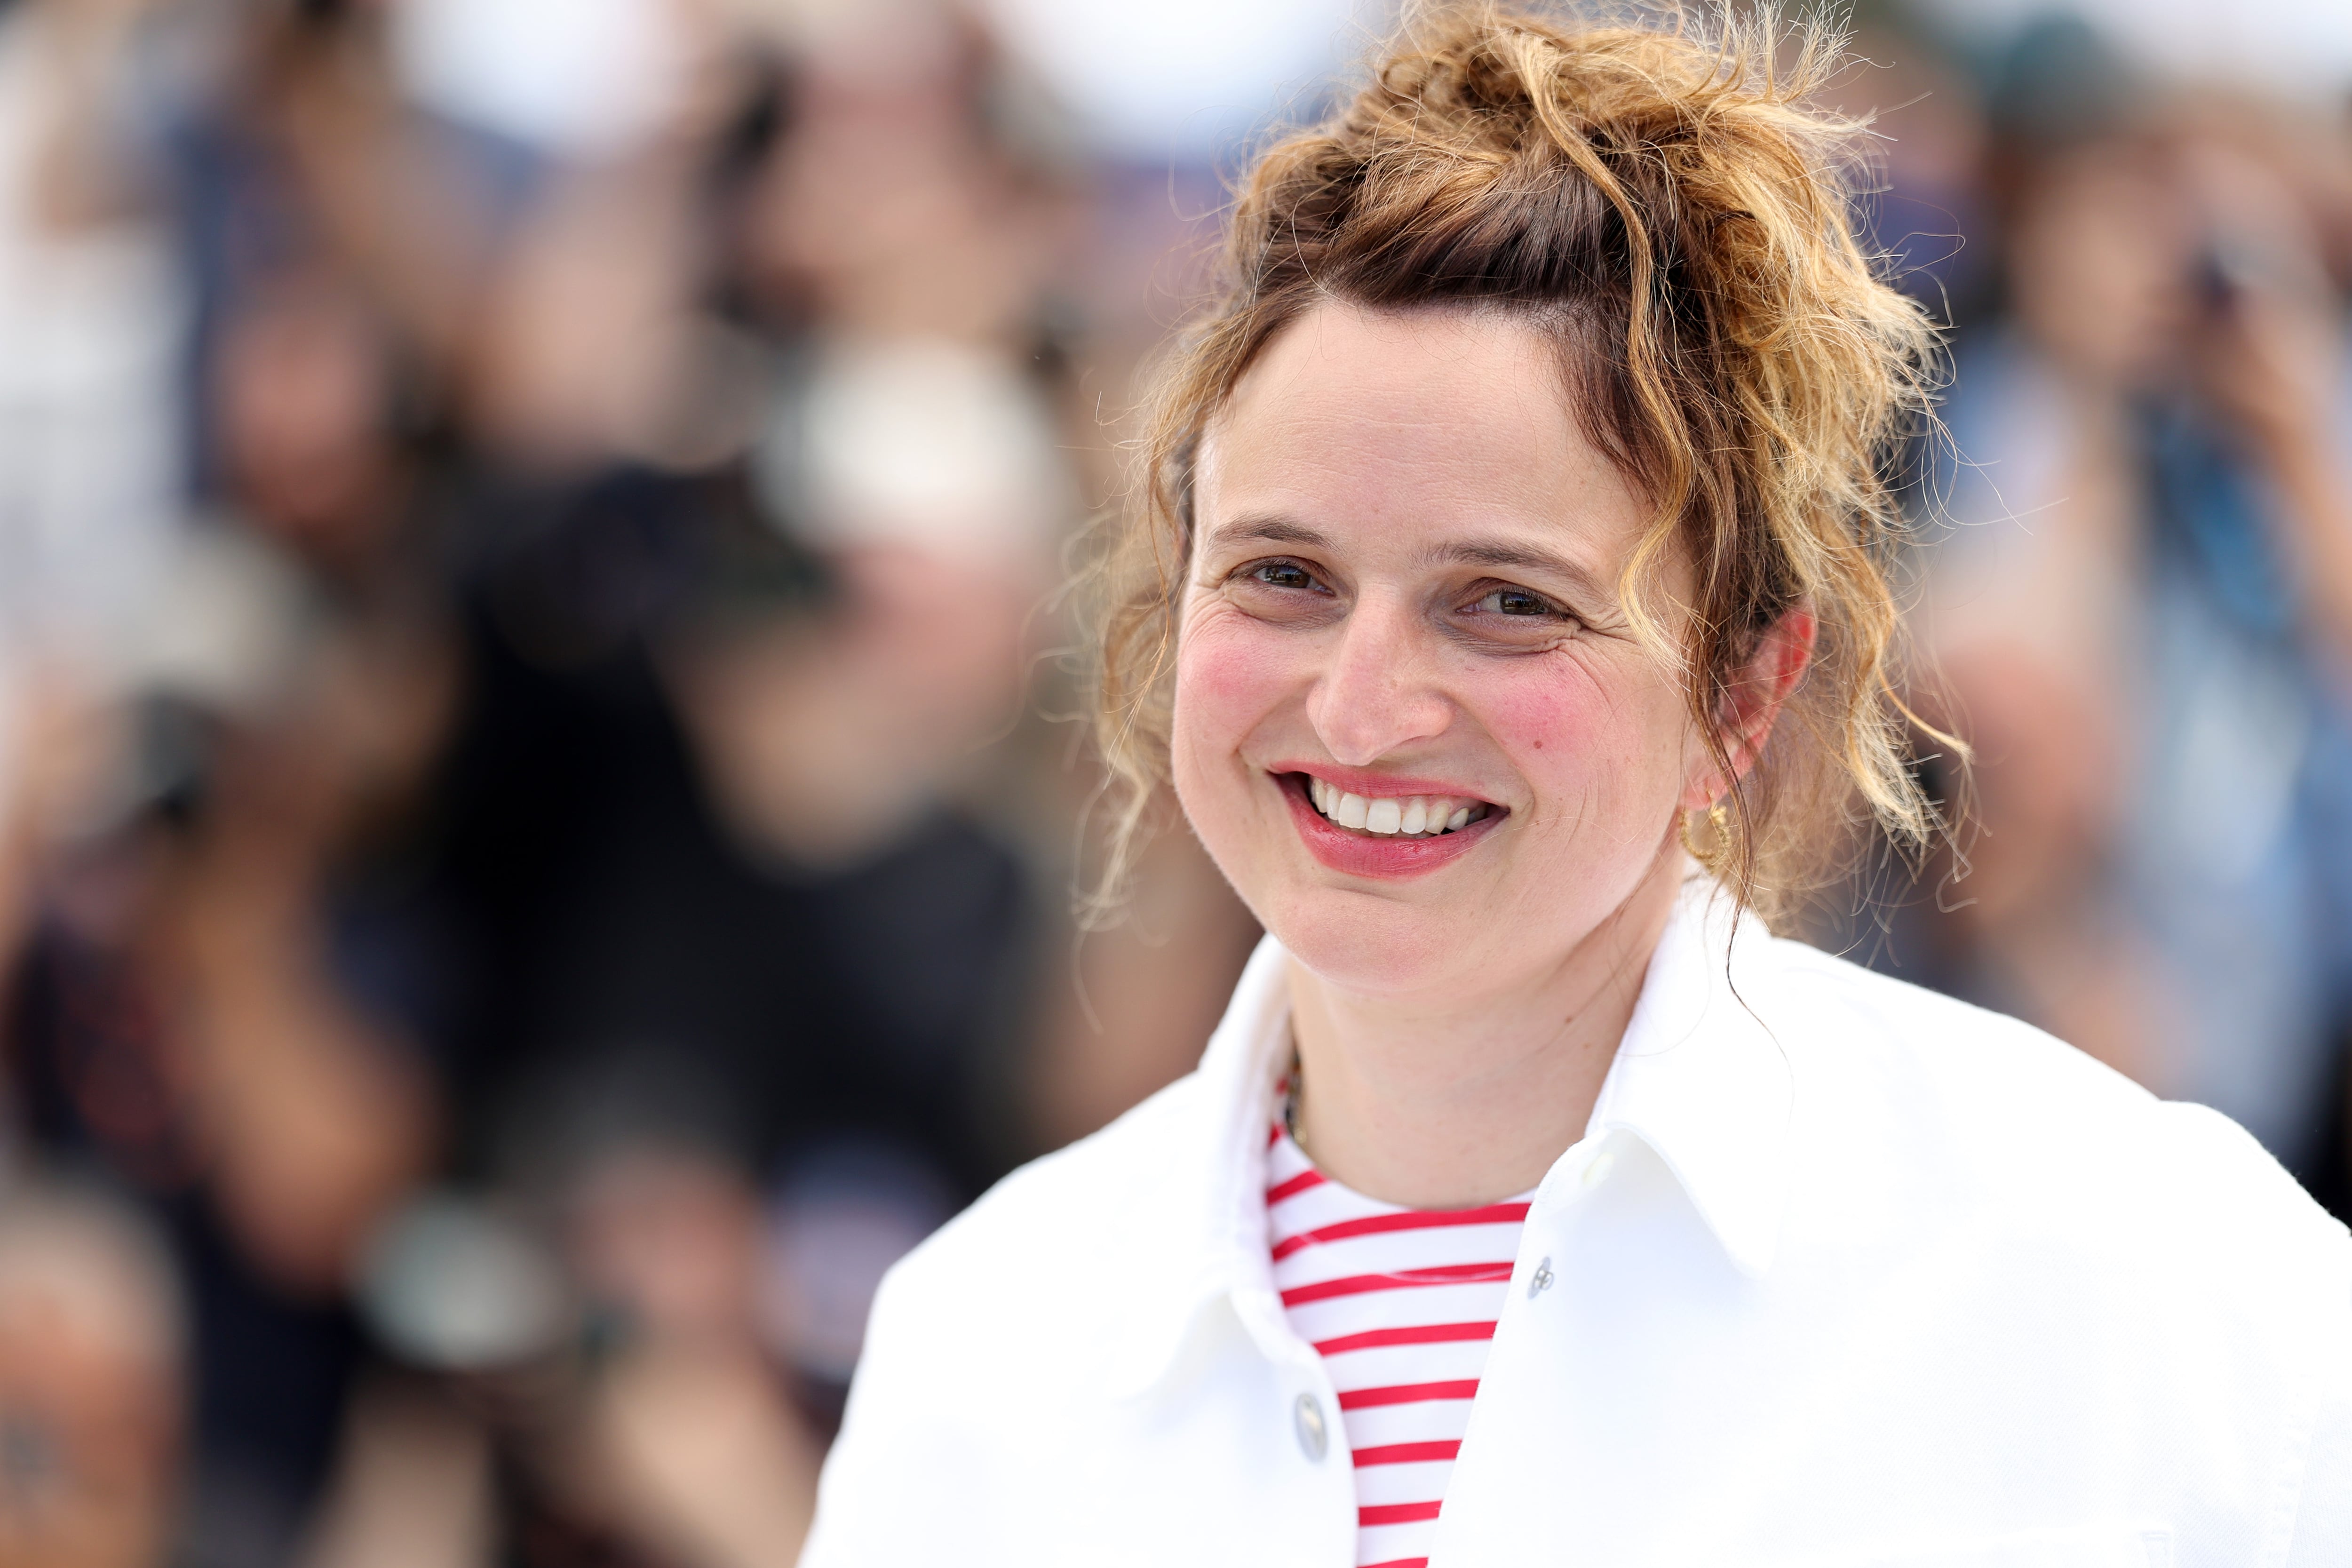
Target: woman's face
(1401, 606)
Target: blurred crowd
(534, 852)
(2134, 598)
(533, 869)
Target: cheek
(1583, 731)
(1231, 672)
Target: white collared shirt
(1842, 1273)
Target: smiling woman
(1508, 607)
(1404, 588)
(1660, 218)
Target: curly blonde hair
(1664, 200)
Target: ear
(1752, 705)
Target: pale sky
(2303, 46)
(1187, 78)
(1180, 76)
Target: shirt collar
(1212, 1199)
(1698, 1077)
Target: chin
(1461, 939)
(1373, 944)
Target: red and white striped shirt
(1402, 1305)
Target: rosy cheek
(1563, 720)
(1230, 671)
(1543, 715)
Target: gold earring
(1715, 855)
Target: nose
(1377, 694)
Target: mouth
(1384, 832)
(1393, 816)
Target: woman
(1522, 545)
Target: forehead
(1410, 420)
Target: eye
(1283, 574)
(1282, 591)
(1516, 601)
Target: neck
(1449, 1101)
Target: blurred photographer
(2142, 611)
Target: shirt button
(1314, 1441)
(1597, 1171)
(1540, 1280)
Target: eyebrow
(1273, 530)
(1520, 558)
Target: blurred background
(534, 848)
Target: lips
(1387, 816)
(1382, 847)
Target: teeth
(1411, 816)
